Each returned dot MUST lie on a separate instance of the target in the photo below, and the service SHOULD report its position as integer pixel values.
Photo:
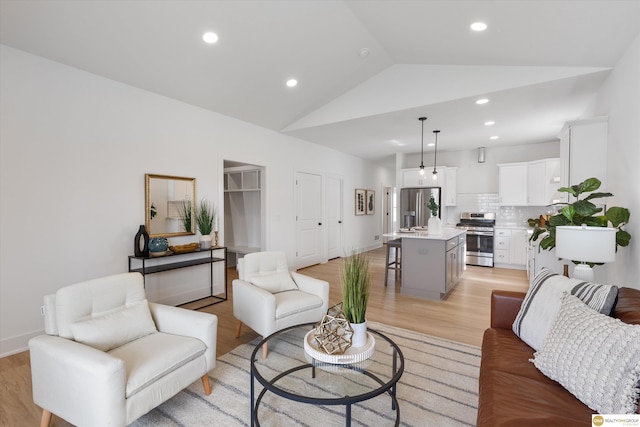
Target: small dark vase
(141, 243)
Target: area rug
(439, 387)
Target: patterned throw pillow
(593, 356)
(541, 304)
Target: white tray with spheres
(351, 355)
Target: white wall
(619, 99)
(73, 154)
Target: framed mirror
(169, 205)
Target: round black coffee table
(289, 372)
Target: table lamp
(585, 244)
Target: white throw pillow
(542, 302)
(116, 328)
(275, 282)
(593, 356)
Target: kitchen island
(431, 264)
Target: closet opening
(244, 224)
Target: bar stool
(396, 263)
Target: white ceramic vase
(205, 242)
(435, 225)
(359, 338)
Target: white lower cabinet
(510, 248)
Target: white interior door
(308, 193)
(334, 217)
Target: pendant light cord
(435, 153)
(422, 119)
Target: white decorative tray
(352, 355)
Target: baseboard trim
(17, 344)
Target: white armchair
(267, 297)
(110, 357)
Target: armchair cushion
(292, 302)
(154, 356)
(274, 282)
(116, 328)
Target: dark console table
(173, 261)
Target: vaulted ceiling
(539, 62)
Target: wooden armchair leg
(265, 350)
(45, 421)
(206, 384)
(238, 328)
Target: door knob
(319, 223)
(339, 222)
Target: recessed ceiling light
(431, 144)
(482, 101)
(292, 83)
(478, 26)
(494, 137)
(210, 37)
(489, 123)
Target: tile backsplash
(506, 216)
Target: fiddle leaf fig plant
(583, 211)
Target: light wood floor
(463, 317)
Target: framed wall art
(361, 202)
(371, 202)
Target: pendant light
(422, 119)
(435, 155)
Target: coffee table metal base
(388, 387)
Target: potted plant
(583, 211)
(355, 295)
(434, 224)
(205, 216)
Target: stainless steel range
(479, 228)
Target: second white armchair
(267, 297)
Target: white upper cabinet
(529, 183)
(512, 184)
(412, 178)
(543, 182)
(450, 187)
(583, 152)
(446, 178)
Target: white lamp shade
(586, 244)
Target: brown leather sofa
(512, 390)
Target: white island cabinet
(431, 264)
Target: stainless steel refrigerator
(414, 205)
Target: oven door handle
(479, 233)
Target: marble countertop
(447, 233)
